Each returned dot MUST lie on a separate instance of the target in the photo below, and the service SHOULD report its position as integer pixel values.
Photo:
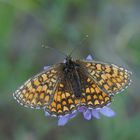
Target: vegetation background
(113, 28)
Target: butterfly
(62, 88)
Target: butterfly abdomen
(71, 74)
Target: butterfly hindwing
(64, 101)
(110, 78)
(92, 96)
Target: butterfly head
(68, 64)
(68, 59)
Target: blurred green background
(113, 28)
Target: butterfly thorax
(71, 73)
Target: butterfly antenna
(79, 45)
(54, 49)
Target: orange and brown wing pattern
(110, 79)
(38, 91)
(64, 101)
(92, 96)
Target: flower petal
(63, 120)
(82, 109)
(95, 114)
(89, 57)
(73, 114)
(107, 111)
(87, 114)
(46, 67)
(47, 114)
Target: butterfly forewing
(38, 91)
(110, 79)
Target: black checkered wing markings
(64, 101)
(110, 78)
(38, 91)
(92, 96)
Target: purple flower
(64, 119)
(46, 67)
(89, 57)
(88, 113)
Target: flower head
(88, 114)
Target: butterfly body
(63, 87)
(71, 72)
